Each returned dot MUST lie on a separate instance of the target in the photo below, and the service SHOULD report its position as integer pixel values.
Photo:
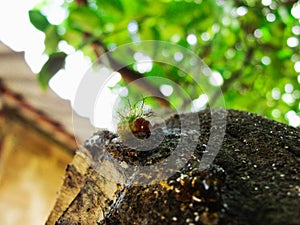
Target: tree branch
(131, 75)
(82, 2)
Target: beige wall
(31, 172)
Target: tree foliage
(253, 45)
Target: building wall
(32, 166)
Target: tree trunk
(254, 178)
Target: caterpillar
(135, 122)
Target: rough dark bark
(253, 180)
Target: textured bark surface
(73, 181)
(254, 179)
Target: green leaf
(55, 62)
(111, 6)
(85, 19)
(51, 40)
(38, 20)
(116, 4)
(285, 15)
(285, 53)
(73, 38)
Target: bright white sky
(17, 32)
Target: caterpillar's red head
(135, 123)
(141, 128)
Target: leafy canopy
(251, 46)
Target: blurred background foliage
(251, 46)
